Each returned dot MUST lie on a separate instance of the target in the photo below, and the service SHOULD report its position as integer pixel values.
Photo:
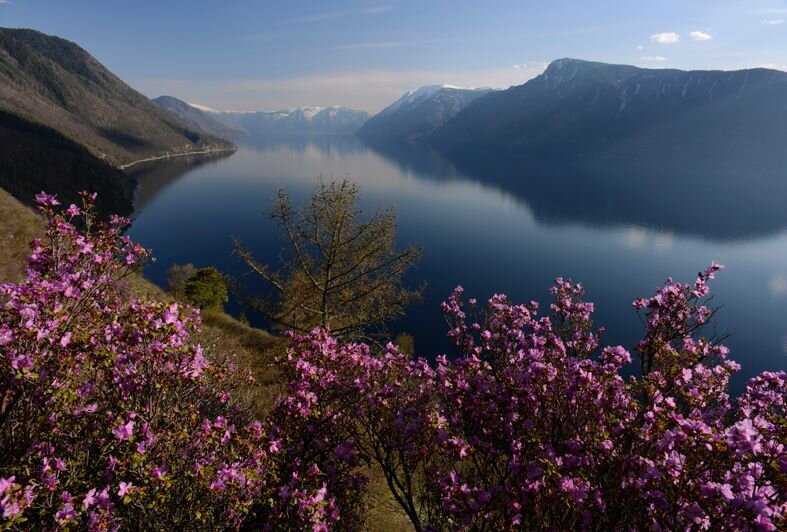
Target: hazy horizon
(266, 56)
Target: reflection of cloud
(662, 241)
(635, 237)
(777, 284)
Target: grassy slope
(221, 334)
(18, 226)
(253, 348)
(52, 81)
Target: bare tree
(339, 270)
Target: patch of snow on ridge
(420, 94)
(204, 108)
(309, 112)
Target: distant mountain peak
(421, 94)
(310, 120)
(418, 112)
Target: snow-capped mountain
(298, 121)
(419, 112)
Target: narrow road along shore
(173, 155)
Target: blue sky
(267, 55)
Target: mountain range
(301, 121)
(418, 113)
(587, 109)
(67, 123)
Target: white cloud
(773, 21)
(329, 15)
(771, 11)
(640, 48)
(700, 36)
(386, 44)
(669, 37)
(377, 9)
(658, 58)
(531, 65)
(4, 2)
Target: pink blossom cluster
(535, 427)
(110, 415)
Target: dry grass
(19, 225)
(224, 336)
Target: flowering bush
(111, 416)
(534, 427)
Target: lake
(497, 226)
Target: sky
(268, 55)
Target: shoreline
(174, 155)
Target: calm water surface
(509, 228)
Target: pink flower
(42, 198)
(65, 514)
(66, 339)
(124, 488)
(124, 431)
(89, 499)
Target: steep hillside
(56, 83)
(35, 158)
(586, 109)
(419, 112)
(198, 119)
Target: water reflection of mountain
(418, 159)
(154, 177)
(692, 197)
(330, 144)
